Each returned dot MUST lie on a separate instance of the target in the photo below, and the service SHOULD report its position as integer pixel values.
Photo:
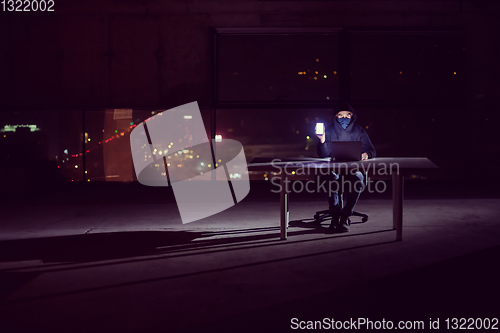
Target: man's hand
(364, 156)
(320, 136)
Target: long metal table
(392, 167)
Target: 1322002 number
(27, 5)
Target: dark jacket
(353, 132)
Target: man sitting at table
(344, 129)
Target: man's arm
(324, 144)
(367, 145)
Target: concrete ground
(117, 258)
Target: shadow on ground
(105, 249)
(464, 287)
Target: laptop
(346, 151)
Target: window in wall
(403, 131)
(107, 142)
(277, 68)
(273, 133)
(395, 68)
(408, 66)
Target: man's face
(344, 114)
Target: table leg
(284, 205)
(397, 204)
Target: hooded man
(344, 128)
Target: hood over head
(344, 106)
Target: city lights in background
(325, 76)
(13, 128)
(69, 160)
(116, 134)
(180, 155)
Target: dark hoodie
(353, 132)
